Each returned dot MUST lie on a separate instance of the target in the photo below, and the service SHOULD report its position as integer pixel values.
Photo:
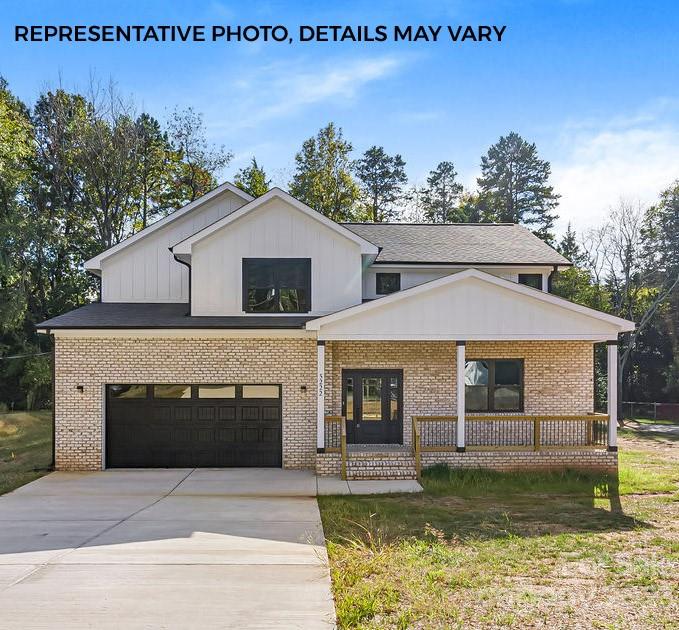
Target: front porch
(470, 370)
(505, 443)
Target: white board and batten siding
(471, 308)
(146, 271)
(413, 276)
(274, 230)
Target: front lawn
(25, 447)
(485, 550)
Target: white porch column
(459, 437)
(320, 396)
(612, 394)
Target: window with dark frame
(276, 285)
(494, 385)
(531, 280)
(387, 283)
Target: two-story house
(258, 332)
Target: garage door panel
(193, 432)
(226, 413)
(206, 413)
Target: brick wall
(558, 375)
(328, 464)
(525, 460)
(558, 379)
(94, 362)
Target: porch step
(380, 465)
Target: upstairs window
(387, 283)
(531, 280)
(494, 385)
(276, 285)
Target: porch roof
(470, 305)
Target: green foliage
(197, 161)
(37, 381)
(382, 180)
(323, 178)
(252, 179)
(568, 247)
(440, 197)
(77, 175)
(514, 186)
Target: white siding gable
(471, 306)
(414, 275)
(146, 271)
(275, 229)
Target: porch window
(494, 385)
(276, 285)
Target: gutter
(54, 400)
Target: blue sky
(593, 83)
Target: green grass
(486, 549)
(671, 423)
(25, 447)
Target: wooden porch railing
(513, 432)
(437, 433)
(417, 448)
(343, 448)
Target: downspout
(188, 266)
(554, 270)
(54, 401)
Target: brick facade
(94, 362)
(526, 460)
(558, 379)
(330, 463)
(558, 375)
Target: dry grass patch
(485, 550)
(25, 447)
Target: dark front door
(372, 402)
(183, 426)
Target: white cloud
(280, 90)
(633, 157)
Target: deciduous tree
(252, 179)
(322, 178)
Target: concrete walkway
(239, 548)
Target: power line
(24, 356)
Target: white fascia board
(94, 264)
(624, 325)
(530, 268)
(184, 246)
(594, 338)
(182, 333)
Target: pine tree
(252, 179)
(440, 197)
(382, 179)
(568, 247)
(514, 182)
(323, 178)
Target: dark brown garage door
(186, 426)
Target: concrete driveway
(238, 548)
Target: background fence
(653, 410)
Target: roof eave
(93, 265)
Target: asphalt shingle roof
(155, 315)
(462, 243)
